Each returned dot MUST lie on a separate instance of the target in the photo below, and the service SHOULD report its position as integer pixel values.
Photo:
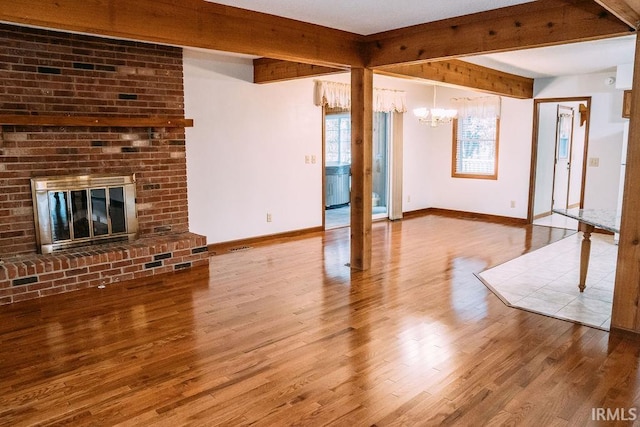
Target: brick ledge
(27, 277)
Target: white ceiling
(564, 60)
(369, 16)
(372, 16)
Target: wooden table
(589, 220)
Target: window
(475, 147)
(338, 138)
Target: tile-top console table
(589, 220)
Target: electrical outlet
(313, 159)
(594, 162)
(408, 199)
(268, 217)
(306, 159)
(513, 204)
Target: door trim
(585, 115)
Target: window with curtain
(334, 95)
(475, 138)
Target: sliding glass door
(337, 140)
(380, 170)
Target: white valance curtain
(338, 95)
(483, 107)
(389, 101)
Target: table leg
(585, 251)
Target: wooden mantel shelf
(87, 121)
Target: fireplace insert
(72, 211)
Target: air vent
(239, 248)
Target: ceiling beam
(628, 11)
(453, 72)
(460, 73)
(267, 70)
(195, 23)
(199, 23)
(534, 24)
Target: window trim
(454, 145)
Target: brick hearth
(33, 276)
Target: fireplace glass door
(99, 212)
(59, 208)
(80, 214)
(78, 210)
(117, 211)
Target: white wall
(605, 132)
(246, 151)
(485, 196)
(624, 76)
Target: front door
(562, 172)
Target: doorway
(562, 188)
(337, 172)
(380, 167)
(558, 161)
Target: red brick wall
(51, 73)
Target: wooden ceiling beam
(267, 70)
(628, 11)
(199, 23)
(460, 73)
(534, 24)
(453, 72)
(194, 23)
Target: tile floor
(546, 281)
(337, 217)
(341, 216)
(557, 221)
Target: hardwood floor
(286, 334)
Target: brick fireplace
(78, 105)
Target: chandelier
(434, 116)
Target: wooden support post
(625, 314)
(361, 161)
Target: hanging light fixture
(434, 116)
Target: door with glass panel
(380, 167)
(564, 139)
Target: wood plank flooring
(286, 334)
